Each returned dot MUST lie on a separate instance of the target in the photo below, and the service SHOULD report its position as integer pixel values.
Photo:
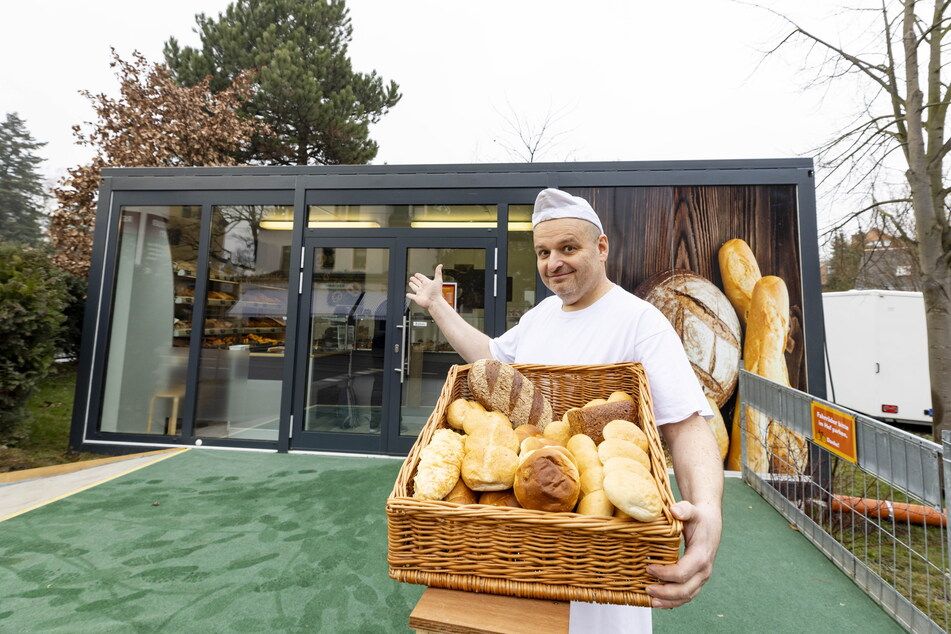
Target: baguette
(500, 387)
(740, 272)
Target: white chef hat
(553, 203)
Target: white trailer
(877, 354)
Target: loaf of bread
(439, 465)
(547, 480)
(706, 323)
(635, 495)
(491, 458)
(740, 273)
(592, 420)
(718, 427)
(500, 387)
(461, 494)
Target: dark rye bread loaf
(500, 387)
(591, 420)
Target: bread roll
(500, 498)
(595, 503)
(592, 478)
(475, 419)
(620, 396)
(459, 410)
(491, 458)
(532, 443)
(740, 273)
(499, 386)
(591, 420)
(583, 448)
(527, 431)
(596, 401)
(547, 481)
(461, 494)
(626, 430)
(439, 465)
(559, 431)
(706, 323)
(615, 447)
(626, 464)
(634, 494)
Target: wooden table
(459, 612)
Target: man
(590, 320)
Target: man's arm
(466, 339)
(699, 471)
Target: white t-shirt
(618, 327)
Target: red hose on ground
(883, 509)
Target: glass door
(370, 364)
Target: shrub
(70, 338)
(32, 298)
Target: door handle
(404, 336)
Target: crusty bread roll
(595, 503)
(626, 464)
(547, 481)
(460, 409)
(626, 430)
(616, 447)
(706, 323)
(499, 386)
(475, 420)
(620, 396)
(596, 401)
(527, 431)
(633, 494)
(559, 431)
(591, 420)
(461, 494)
(439, 465)
(491, 458)
(534, 442)
(500, 498)
(740, 273)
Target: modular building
(264, 307)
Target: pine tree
(318, 109)
(22, 194)
(845, 262)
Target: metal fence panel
(880, 519)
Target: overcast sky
(622, 80)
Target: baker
(591, 320)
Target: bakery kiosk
(264, 307)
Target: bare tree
(528, 139)
(904, 115)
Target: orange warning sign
(834, 430)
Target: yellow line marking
(97, 483)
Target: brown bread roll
(499, 386)
(740, 273)
(500, 498)
(527, 431)
(461, 494)
(439, 465)
(591, 420)
(706, 323)
(547, 481)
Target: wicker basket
(523, 552)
